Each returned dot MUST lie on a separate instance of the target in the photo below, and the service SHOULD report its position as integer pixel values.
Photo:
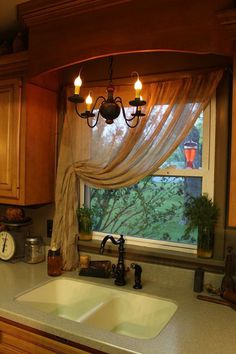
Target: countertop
(197, 327)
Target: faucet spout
(120, 268)
(104, 241)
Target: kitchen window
(150, 212)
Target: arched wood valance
(62, 33)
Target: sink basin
(118, 311)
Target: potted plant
(202, 213)
(84, 215)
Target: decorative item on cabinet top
(13, 43)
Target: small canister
(34, 250)
(54, 262)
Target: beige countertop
(197, 327)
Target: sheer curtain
(114, 156)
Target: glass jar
(54, 262)
(85, 228)
(34, 250)
(205, 243)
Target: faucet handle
(113, 270)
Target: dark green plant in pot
(84, 215)
(202, 213)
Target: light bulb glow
(138, 87)
(77, 84)
(88, 102)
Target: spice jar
(54, 262)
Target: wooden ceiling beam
(38, 12)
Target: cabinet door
(9, 138)
(16, 340)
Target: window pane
(189, 152)
(152, 209)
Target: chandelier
(108, 108)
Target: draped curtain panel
(114, 156)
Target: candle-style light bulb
(138, 87)
(77, 84)
(139, 107)
(88, 102)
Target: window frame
(208, 154)
(207, 172)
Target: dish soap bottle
(54, 262)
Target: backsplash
(39, 216)
(165, 276)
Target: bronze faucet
(120, 268)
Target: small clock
(7, 245)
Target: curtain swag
(114, 156)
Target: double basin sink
(119, 311)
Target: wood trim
(227, 19)
(14, 64)
(42, 339)
(34, 13)
(223, 103)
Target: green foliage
(153, 209)
(200, 212)
(84, 212)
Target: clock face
(7, 246)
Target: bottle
(54, 262)
(198, 280)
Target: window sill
(149, 255)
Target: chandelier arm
(127, 120)
(95, 123)
(132, 118)
(132, 126)
(119, 100)
(96, 101)
(77, 112)
(137, 114)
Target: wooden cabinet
(227, 18)
(232, 174)
(9, 138)
(28, 115)
(19, 339)
(232, 182)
